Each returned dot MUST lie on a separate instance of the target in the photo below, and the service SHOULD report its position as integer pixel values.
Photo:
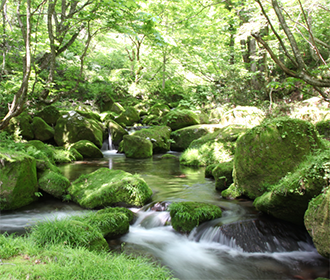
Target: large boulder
(49, 114)
(129, 117)
(53, 183)
(187, 215)
(18, 179)
(73, 127)
(317, 222)
(288, 200)
(159, 137)
(136, 147)
(87, 149)
(269, 151)
(177, 119)
(106, 187)
(21, 125)
(42, 131)
(184, 136)
(213, 148)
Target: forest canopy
(204, 52)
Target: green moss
(42, 131)
(183, 137)
(115, 210)
(136, 147)
(212, 148)
(223, 175)
(18, 179)
(323, 127)
(288, 200)
(106, 187)
(159, 109)
(169, 156)
(87, 149)
(187, 215)
(267, 152)
(232, 192)
(159, 137)
(209, 169)
(177, 119)
(49, 114)
(129, 117)
(151, 120)
(53, 183)
(44, 148)
(21, 125)
(317, 222)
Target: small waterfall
(107, 143)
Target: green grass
(21, 259)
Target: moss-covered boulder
(269, 151)
(183, 137)
(106, 187)
(111, 222)
(187, 215)
(213, 148)
(317, 222)
(18, 179)
(288, 200)
(21, 125)
(42, 131)
(223, 175)
(159, 109)
(151, 120)
(49, 114)
(136, 147)
(323, 127)
(62, 155)
(87, 149)
(177, 118)
(53, 183)
(117, 108)
(117, 132)
(159, 137)
(68, 232)
(73, 127)
(48, 150)
(129, 117)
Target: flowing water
(242, 244)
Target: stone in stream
(18, 179)
(106, 187)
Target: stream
(242, 244)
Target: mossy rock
(73, 127)
(223, 175)
(68, 232)
(323, 127)
(62, 155)
(317, 222)
(136, 147)
(183, 137)
(42, 131)
(53, 183)
(159, 137)
(129, 117)
(18, 179)
(288, 200)
(117, 132)
(49, 114)
(21, 125)
(177, 119)
(269, 151)
(232, 192)
(213, 148)
(106, 187)
(87, 149)
(42, 147)
(117, 108)
(185, 216)
(158, 109)
(151, 120)
(169, 156)
(111, 222)
(209, 169)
